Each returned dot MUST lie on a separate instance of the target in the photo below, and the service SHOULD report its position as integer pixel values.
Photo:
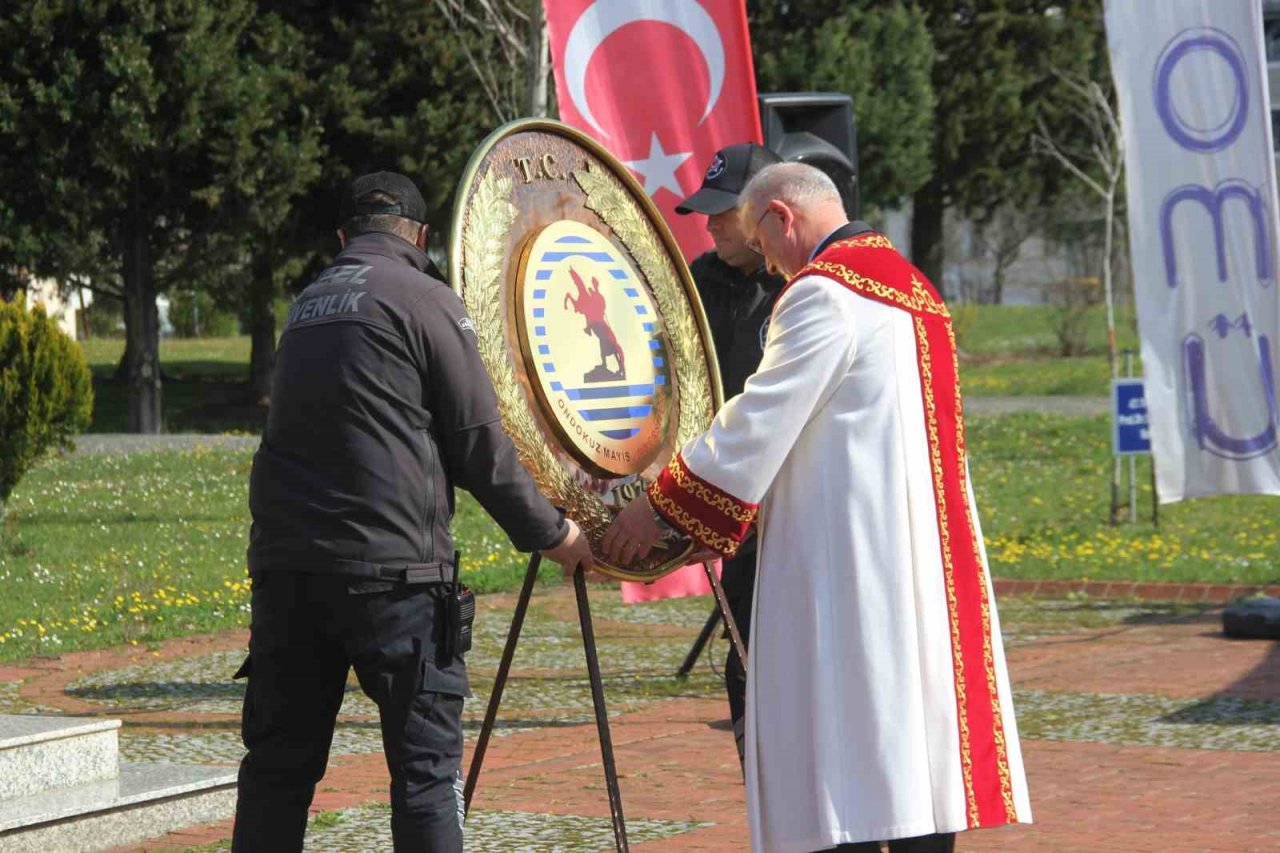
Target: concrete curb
(1185, 593)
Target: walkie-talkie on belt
(460, 611)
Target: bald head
(806, 207)
(795, 183)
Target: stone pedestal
(62, 787)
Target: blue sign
(1131, 434)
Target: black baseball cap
(728, 173)
(407, 200)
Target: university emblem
(586, 320)
(590, 330)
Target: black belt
(409, 573)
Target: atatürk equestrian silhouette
(589, 302)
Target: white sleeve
(810, 349)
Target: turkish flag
(663, 84)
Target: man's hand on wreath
(633, 533)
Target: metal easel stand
(704, 637)
(597, 697)
(719, 612)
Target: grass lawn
(186, 357)
(995, 331)
(205, 385)
(1041, 376)
(1011, 350)
(101, 550)
(1007, 350)
(1042, 484)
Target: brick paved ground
(1145, 730)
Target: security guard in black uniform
(737, 295)
(380, 406)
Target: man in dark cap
(737, 294)
(380, 406)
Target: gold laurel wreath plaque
(587, 321)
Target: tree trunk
(142, 323)
(1106, 282)
(121, 376)
(539, 62)
(262, 329)
(927, 249)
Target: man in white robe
(878, 703)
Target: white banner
(1191, 80)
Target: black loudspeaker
(815, 128)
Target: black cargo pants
(307, 631)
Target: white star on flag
(658, 170)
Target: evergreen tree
(392, 88)
(121, 122)
(269, 162)
(46, 394)
(394, 91)
(881, 55)
(992, 77)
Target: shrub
(46, 391)
(195, 314)
(963, 317)
(1071, 299)
(106, 317)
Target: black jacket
(737, 306)
(379, 407)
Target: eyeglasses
(754, 243)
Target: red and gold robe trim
(871, 268)
(700, 510)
